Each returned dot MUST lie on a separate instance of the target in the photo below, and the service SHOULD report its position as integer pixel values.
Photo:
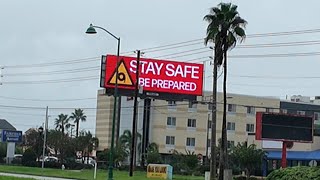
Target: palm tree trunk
(77, 130)
(62, 142)
(223, 150)
(225, 111)
(214, 121)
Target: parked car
(49, 159)
(86, 160)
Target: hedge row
(295, 173)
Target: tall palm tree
(78, 115)
(62, 123)
(225, 28)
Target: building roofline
(246, 95)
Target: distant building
(184, 125)
(4, 124)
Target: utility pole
(214, 121)
(45, 136)
(134, 122)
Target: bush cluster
(295, 173)
(244, 178)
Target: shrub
(244, 178)
(29, 158)
(295, 173)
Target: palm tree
(225, 28)
(62, 123)
(78, 115)
(126, 138)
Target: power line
(263, 45)
(275, 77)
(74, 61)
(87, 78)
(155, 106)
(284, 33)
(46, 100)
(66, 71)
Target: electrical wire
(65, 71)
(47, 100)
(86, 78)
(74, 61)
(285, 33)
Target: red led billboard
(156, 76)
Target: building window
(171, 121)
(231, 126)
(302, 113)
(251, 110)
(231, 108)
(316, 116)
(283, 111)
(230, 144)
(250, 128)
(191, 123)
(170, 140)
(172, 103)
(269, 110)
(191, 142)
(192, 104)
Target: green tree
(247, 158)
(78, 115)
(153, 155)
(225, 29)
(34, 140)
(120, 154)
(126, 139)
(3, 151)
(62, 124)
(86, 143)
(54, 140)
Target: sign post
(284, 155)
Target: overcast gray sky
(41, 31)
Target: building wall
(104, 119)
(202, 114)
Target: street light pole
(91, 30)
(45, 137)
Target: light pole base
(110, 173)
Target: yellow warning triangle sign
(124, 77)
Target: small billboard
(160, 79)
(284, 127)
(11, 136)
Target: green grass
(84, 174)
(13, 178)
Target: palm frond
(241, 34)
(215, 10)
(238, 21)
(231, 41)
(225, 7)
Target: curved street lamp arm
(118, 38)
